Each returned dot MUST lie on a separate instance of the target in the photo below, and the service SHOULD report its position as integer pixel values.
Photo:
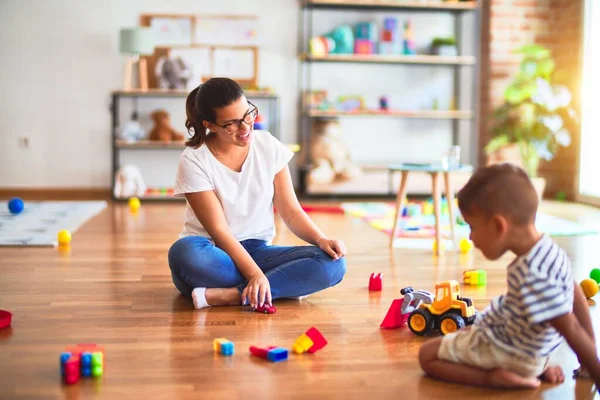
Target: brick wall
(555, 24)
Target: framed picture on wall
(172, 31)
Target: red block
(376, 282)
(318, 339)
(72, 370)
(260, 351)
(394, 318)
(363, 46)
(387, 36)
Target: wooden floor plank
(113, 287)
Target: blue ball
(16, 205)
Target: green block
(595, 275)
(97, 371)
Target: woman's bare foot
(506, 379)
(223, 297)
(553, 375)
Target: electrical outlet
(24, 142)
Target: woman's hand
(257, 292)
(335, 248)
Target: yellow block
(302, 344)
(589, 288)
(64, 237)
(217, 344)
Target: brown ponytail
(201, 103)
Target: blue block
(86, 360)
(366, 30)
(86, 371)
(64, 357)
(390, 24)
(227, 349)
(278, 354)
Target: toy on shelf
(266, 309)
(408, 43)
(365, 38)
(310, 341)
(316, 99)
(132, 131)
(351, 103)
(272, 353)
(260, 123)
(82, 360)
(343, 38)
(320, 46)
(330, 156)
(595, 274)
(384, 103)
(465, 245)
(5, 319)
(16, 205)
(449, 311)
(389, 43)
(223, 346)
(589, 288)
(476, 277)
(400, 309)
(375, 282)
(175, 73)
(162, 130)
(129, 182)
(64, 237)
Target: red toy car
(266, 309)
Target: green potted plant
(536, 117)
(444, 46)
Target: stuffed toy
(330, 157)
(162, 129)
(129, 182)
(132, 130)
(173, 73)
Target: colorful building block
(465, 245)
(394, 317)
(223, 346)
(271, 353)
(87, 359)
(310, 341)
(476, 277)
(376, 282)
(366, 30)
(363, 46)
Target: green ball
(595, 275)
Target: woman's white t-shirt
(246, 196)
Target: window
(589, 163)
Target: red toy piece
(394, 317)
(5, 319)
(71, 370)
(271, 353)
(318, 339)
(376, 282)
(266, 309)
(323, 209)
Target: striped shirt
(540, 288)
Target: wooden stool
(434, 170)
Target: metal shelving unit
(119, 145)
(455, 8)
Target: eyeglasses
(248, 118)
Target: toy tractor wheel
(451, 323)
(405, 290)
(420, 322)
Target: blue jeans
(291, 270)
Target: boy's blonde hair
(500, 189)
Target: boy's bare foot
(223, 297)
(553, 375)
(506, 379)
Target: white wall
(60, 62)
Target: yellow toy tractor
(448, 312)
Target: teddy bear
(330, 157)
(162, 129)
(129, 182)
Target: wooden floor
(113, 287)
